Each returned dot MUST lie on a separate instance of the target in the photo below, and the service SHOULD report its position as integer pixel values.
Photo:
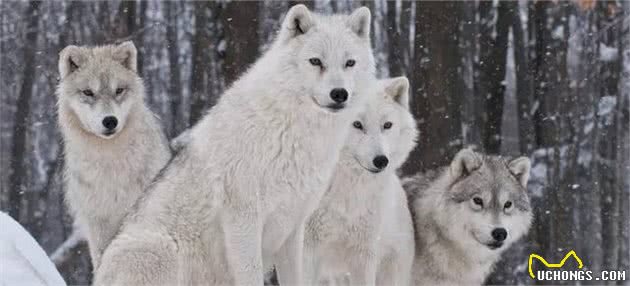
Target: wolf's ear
(465, 162)
(127, 55)
(297, 22)
(70, 59)
(398, 89)
(519, 167)
(359, 21)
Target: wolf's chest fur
(348, 210)
(98, 184)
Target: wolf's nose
(110, 122)
(380, 161)
(499, 234)
(339, 95)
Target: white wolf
(363, 218)
(114, 145)
(239, 192)
(466, 215)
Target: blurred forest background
(547, 79)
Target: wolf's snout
(499, 234)
(339, 95)
(380, 161)
(110, 122)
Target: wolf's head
(328, 56)
(384, 134)
(99, 86)
(487, 206)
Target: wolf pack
(294, 169)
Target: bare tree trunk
(591, 248)
(623, 135)
(436, 79)
(126, 19)
(492, 71)
(23, 110)
(198, 82)
(607, 155)
(536, 18)
(560, 187)
(468, 47)
(142, 22)
(240, 22)
(524, 89)
(175, 84)
(398, 31)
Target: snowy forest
(549, 80)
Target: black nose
(110, 122)
(380, 161)
(339, 95)
(499, 234)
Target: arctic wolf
(466, 215)
(363, 218)
(114, 144)
(235, 199)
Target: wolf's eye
(478, 201)
(350, 63)
(88, 92)
(315, 62)
(387, 125)
(357, 125)
(119, 90)
(507, 205)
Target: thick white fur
(363, 223)
(235, 199)
(448, 251)
(106, 175)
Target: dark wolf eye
(315, 62)
(507, 204)
(350, 63)
(387, 125)
(88, 92)
(478, 201)
(119, 90)
(357, 125)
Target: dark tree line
(550, 80)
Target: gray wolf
(467, 214)
(363, 223)
(235, 199)
(113, 143)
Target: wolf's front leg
(98, 239)
(100, 233)
(95, 252)
(289, 260)
(363, 267)
(395, 270)
(309, 273)
(243, 242)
